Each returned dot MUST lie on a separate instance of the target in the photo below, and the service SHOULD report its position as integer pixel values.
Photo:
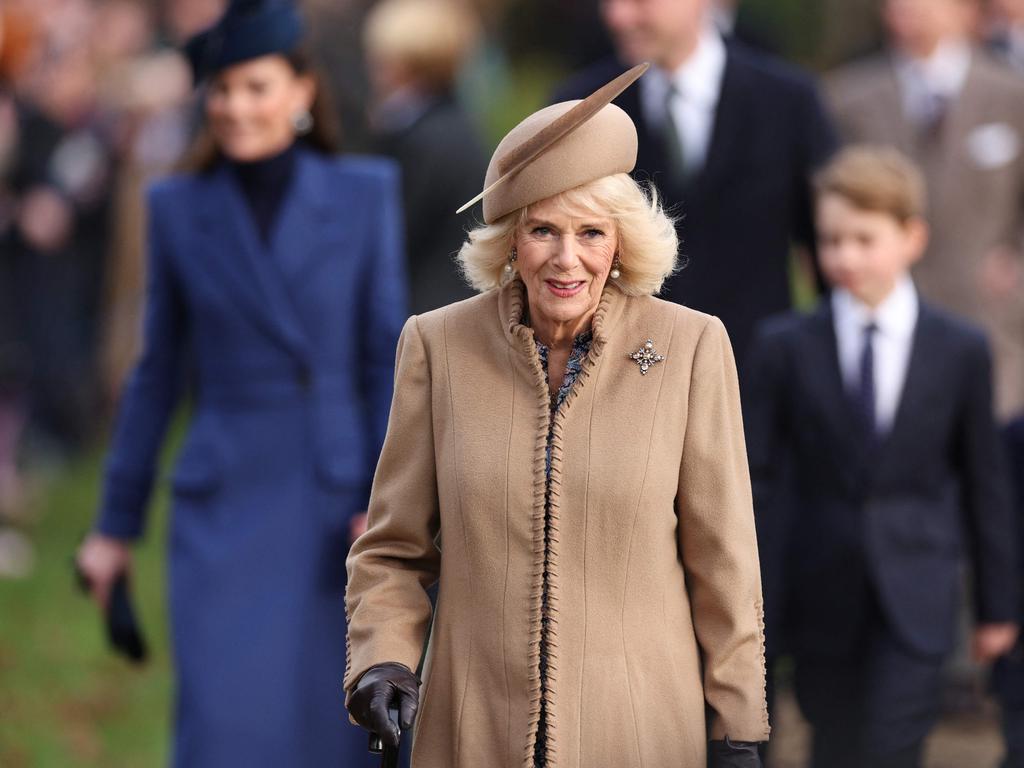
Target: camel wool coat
(654, 586)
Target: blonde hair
(648, 245)
(876, 179)
(429, 37)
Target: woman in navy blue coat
(275, 298)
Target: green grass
(65, 699)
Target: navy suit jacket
(1008, 673)
(309, 321)
(893, 519)
(738, 218)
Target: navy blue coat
(287, 351)
(896, 519)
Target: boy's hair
(875, 178)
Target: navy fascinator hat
(247, 30)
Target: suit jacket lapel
(946, 165)
(238, 258)
(726, 125)
(892, 114)
(916, 381)
(825, 373)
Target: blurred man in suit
(960, 115)
(730, 138)
(884, 403)
(1008, 674)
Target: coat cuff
(122, 510)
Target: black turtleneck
(264, 183)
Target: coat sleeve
(149, 398)
(986, 503)
(771, 460)
(384, 309)
(391, 566)
(718, 545)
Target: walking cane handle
(376, 744)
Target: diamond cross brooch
(646, 356)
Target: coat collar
(260, 275)
(512, 303)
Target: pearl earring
(302, 122)
(511, 260)
(616, 272)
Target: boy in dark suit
(883, 406)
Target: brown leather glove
(733, 754)
(382, 686)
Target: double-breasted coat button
(304, 377)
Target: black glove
(383, 685)
(733, 754)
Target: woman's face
(250, 107)
(564, 262)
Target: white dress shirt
(895, 318)
(941, 76)
(698, 82)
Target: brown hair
(203, 154)
(875, 178)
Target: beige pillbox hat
(559, 148)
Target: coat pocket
(340, 456)
(199, 470)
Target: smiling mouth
(565, 288)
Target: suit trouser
(872, 708)
(1008, 684)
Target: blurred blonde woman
(415, 50)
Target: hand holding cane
(384, 702)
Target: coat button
(305, 378)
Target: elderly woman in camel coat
(565, 456)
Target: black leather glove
(733, 754)
(382, 686)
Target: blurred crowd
(93, 101)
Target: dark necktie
(937, 107)
(865, 395)
(672, 138)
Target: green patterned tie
(672, 138)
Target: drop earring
(511, 260)
(302, 122)
(616, 272)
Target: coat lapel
(236, 257)
(304, 218)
